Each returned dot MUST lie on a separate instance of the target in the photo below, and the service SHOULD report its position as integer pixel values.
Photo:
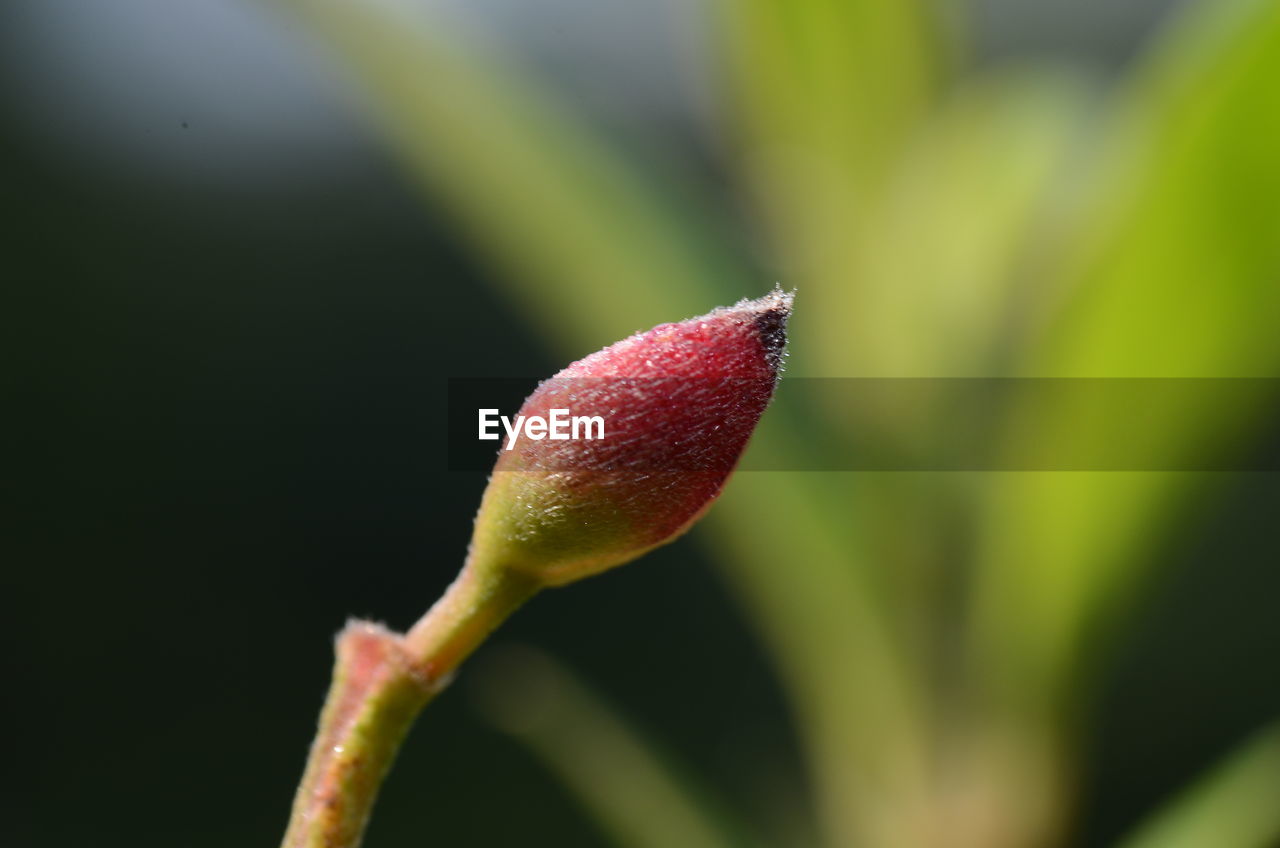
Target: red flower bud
(677, 405)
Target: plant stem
(381, 681)
(471, 608)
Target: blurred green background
(247, 244)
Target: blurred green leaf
(597, 249)
(822, 89)
(640, 799)
(803, 575)
(877, 552)
(1174, 275)
(1234, 806)
(971, 201)
(824, 94)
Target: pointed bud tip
(770, 314)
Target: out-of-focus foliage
(1233, 805)
(937, 222)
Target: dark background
(216, 378)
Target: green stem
(471, 608)
(381, 681)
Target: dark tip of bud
(770, 315)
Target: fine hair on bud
(679, 403)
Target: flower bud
(676, 406)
